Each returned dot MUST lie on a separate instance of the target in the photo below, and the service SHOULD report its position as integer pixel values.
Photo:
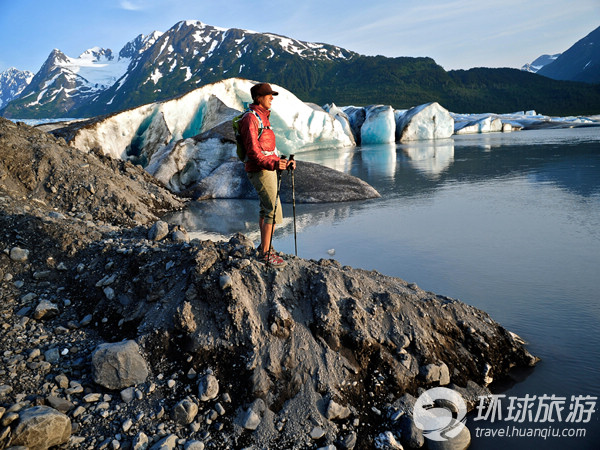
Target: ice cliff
(184, 140)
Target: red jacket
(261, 153)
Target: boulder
(18, 254)
(436, 373)
(185, 412)
(45, 310)
(158, 231)
(314, 183)
(119, 365)
(208, 387)
(41, 427)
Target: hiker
(262, 164)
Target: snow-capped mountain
(65, 84)
(539, 62)
(162, 65)
(12, 83)
(581, 62)
(191, 54)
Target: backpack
(241, 150)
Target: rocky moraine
(118, 331)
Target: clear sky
(457, 34)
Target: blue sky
(458, 34)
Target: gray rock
(41, 427)
(336, 411)
(435, 373)
(52, 355)
(62, 381)
(86, 320)
(250, 420)
(314, 183)
(128, 394)
(119, 365)
(158, 231)
(194, 445)
(459, 442)
(387, 441)
(208, 387)
(167, 443)
(317, 433)
(140, 441)
(410, 435)
(5, 390)
(18, 254)
(185, 412)
(45, 310)
(348, 442)
(180, 236)
(60, 404)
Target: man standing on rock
(262, 162)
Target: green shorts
(265, 183)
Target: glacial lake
(506, 222)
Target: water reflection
(506, 222)
(379, 160)
(563, 158)
(219, 219)
(431, 158)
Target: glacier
(188, 143)
(424, 122)
(183, 140)
(379, 126)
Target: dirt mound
(37, 167)
(238, 355)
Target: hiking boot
(271, 259)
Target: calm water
(509, 223)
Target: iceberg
(340, 115)
(486, 125)
(140, 132)
(356, 116)
(424, 122)
(379, 126)
(181, 165)
(188, 143)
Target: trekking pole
(274, 215)
(294, 207)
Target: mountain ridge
(192, 54)
(581, 62)
(12, 83)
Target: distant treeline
(407, 82)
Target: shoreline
(315, 345)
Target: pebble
(18, 254)
(317, 433)
(126, 426)
(208, 387)
(92, 398)
(251, 420)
